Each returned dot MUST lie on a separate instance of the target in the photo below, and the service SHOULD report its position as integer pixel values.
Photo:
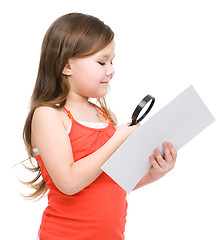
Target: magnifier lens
(144, 110)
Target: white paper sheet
(178, 122)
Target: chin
(100, 95)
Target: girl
(71, 138)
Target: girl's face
(90, 76)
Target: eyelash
(103, 63)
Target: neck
(75, 99)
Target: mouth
(105, 82)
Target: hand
(124, 131)
(162, 165)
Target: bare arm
(54, 146)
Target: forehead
(108, 51)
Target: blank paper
(178, 122)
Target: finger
(166, 149)
(172, 151)
(154, 163)
(159, 158)
(137, 125)
(167, 152)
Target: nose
(110, 71)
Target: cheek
(95, 75)
(87, 77)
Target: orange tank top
(98, 212)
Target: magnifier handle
(133, 123)
(134, 119)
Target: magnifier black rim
(139, 108)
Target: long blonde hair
(71, 35)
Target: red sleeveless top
(98, 212)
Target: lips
(105, 82)
(108, 79)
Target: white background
(161, 48)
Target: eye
(102, 63)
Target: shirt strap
(67, 112)
(103, 112)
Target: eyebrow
(106, 56)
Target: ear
(67, 69)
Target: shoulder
(46, 116)
(45, 112)
(47, 122)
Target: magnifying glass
(135, 116)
